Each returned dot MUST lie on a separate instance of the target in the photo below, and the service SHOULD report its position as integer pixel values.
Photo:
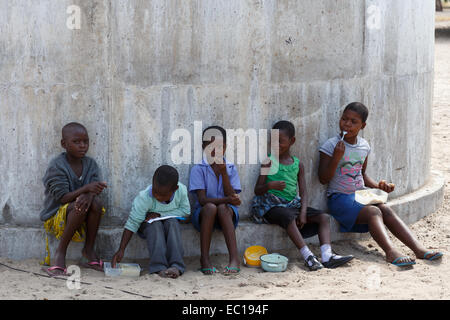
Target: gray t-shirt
(348, 176)
(60, 179)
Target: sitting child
(277, 202)
(343, 163)
(72, 210)
(215, 182)
(165, 197)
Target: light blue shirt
(145, 202)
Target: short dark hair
(222, 131)
(359, 108)
(166, 176)
(286, 126)
(71, 126)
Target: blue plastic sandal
(434, 255)
(231, 270)
(208, 271)
(403, 264)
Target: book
(166, 217)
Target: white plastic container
(122, 270)
(371, 196)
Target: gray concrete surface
(411, 208)
(136, 71)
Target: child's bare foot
(173, 272)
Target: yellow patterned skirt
(56, 225)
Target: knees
(96, 206)
(374, 212)
(211, 210)
(386, 211)
(381, 211)
(323, 219)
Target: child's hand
(118, 256)
(222, 168)
(301, 219)
(151, 215)
(386, 187)
(235, 200)
(339, 150)
(95, 187)
(277, 185)
(83, 202)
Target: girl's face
(214, 151)
(351, 122)
(284, 142)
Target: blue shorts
(345, 210)
(196, 218)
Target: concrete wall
(138, 70)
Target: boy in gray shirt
(72, 210)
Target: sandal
(231, 270)
(55, 274)
(404, 264)
(208, 271)
(435, 255)
(96, 265)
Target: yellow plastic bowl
(252, 254)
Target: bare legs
(74, 220)
(208, 215)
(377, 217)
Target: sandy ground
(368, 276)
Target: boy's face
(351, 122)
(163, 193)
(76, 142)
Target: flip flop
(435, 255)
(96, 265)
(52, 274)
(211, 270)
(231, 270)
(403, 264)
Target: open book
(166, 217)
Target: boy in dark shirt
(72, 210)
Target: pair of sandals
(57, 271)
(430, 256)
(228, 271)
